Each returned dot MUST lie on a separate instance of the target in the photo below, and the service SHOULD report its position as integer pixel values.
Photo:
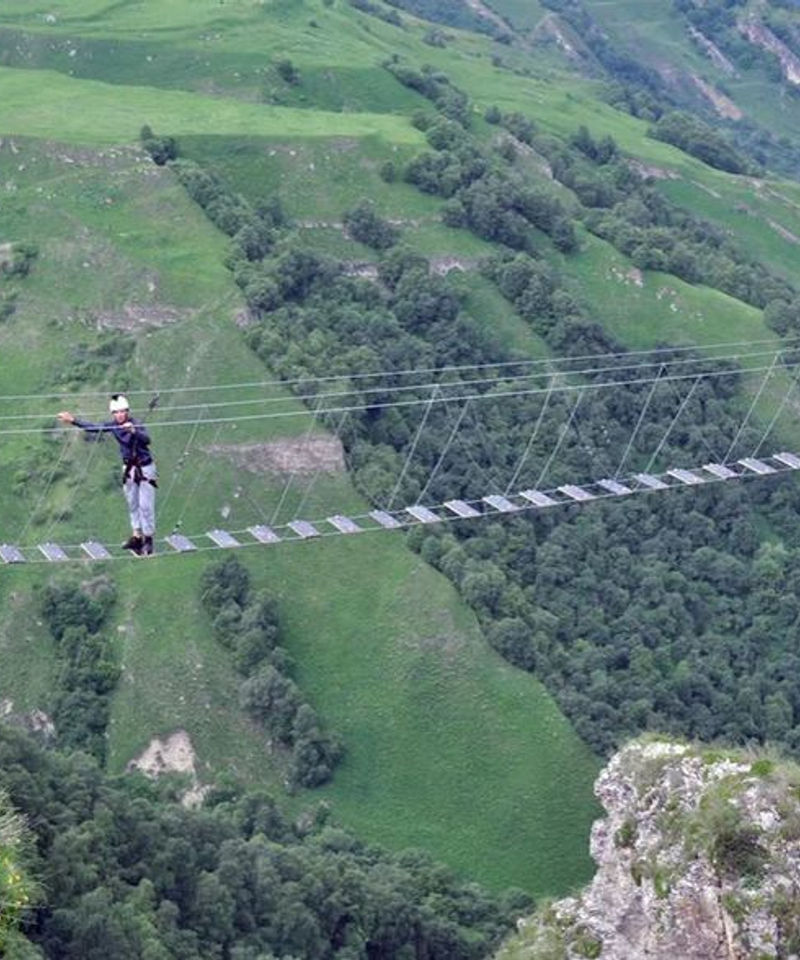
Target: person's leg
(147, 506)
(131, 490)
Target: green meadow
(42, 104)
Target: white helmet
(118, 402)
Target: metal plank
(263, 534)
(303, 529)
(180, 543)
(503, 504)
(757, 466)
(576, 493)
(720, 470)
(10, 554)
(385, 519)
(685, 476)
(423, 514)
(95, 550)
(222, 538)
(615, 487)
(538, 499)
(461, 508)
(648, 480)
(788, 459)
(344, 524)
(53, 552)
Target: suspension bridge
(459, 386)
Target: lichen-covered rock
(698, 859)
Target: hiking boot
(147, 547)
(134, 544)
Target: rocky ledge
(698, 859)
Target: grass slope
(41, 103)
(448, 747)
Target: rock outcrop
(698, 859)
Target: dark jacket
(133, 445)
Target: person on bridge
(139, 478)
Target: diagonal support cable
(480, 433)
(310, 485)
(43, 496)
(639, 422)
(563, 434)
(180, 463)
(288, 484)
(443, 454)
(674, 420)
(413, 447)
(706, 444)
(531, 438)
(774, 420)
(756, 398)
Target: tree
(273, 699)
(364, 224)
(224, 583)
(513, 639)
(161, 149)
(288, 72)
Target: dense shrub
(247, 624)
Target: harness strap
(133, 470)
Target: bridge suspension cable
(785, 344)
(441, 398)
(405, 388)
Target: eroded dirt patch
(724, 106)
(173, 754)
(134, 317)
(302, 455)
(650, 172)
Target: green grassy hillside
(444, 741)
(651, 31)
(448, 747)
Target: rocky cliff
(698, 859)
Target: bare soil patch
(786, 234)
(724, 106)
(650, 171)
(174, 754)
(443, 265)
(302, 455)
(134, 316)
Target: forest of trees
(125, 871)
(88, 670)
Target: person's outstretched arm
(66, 417)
